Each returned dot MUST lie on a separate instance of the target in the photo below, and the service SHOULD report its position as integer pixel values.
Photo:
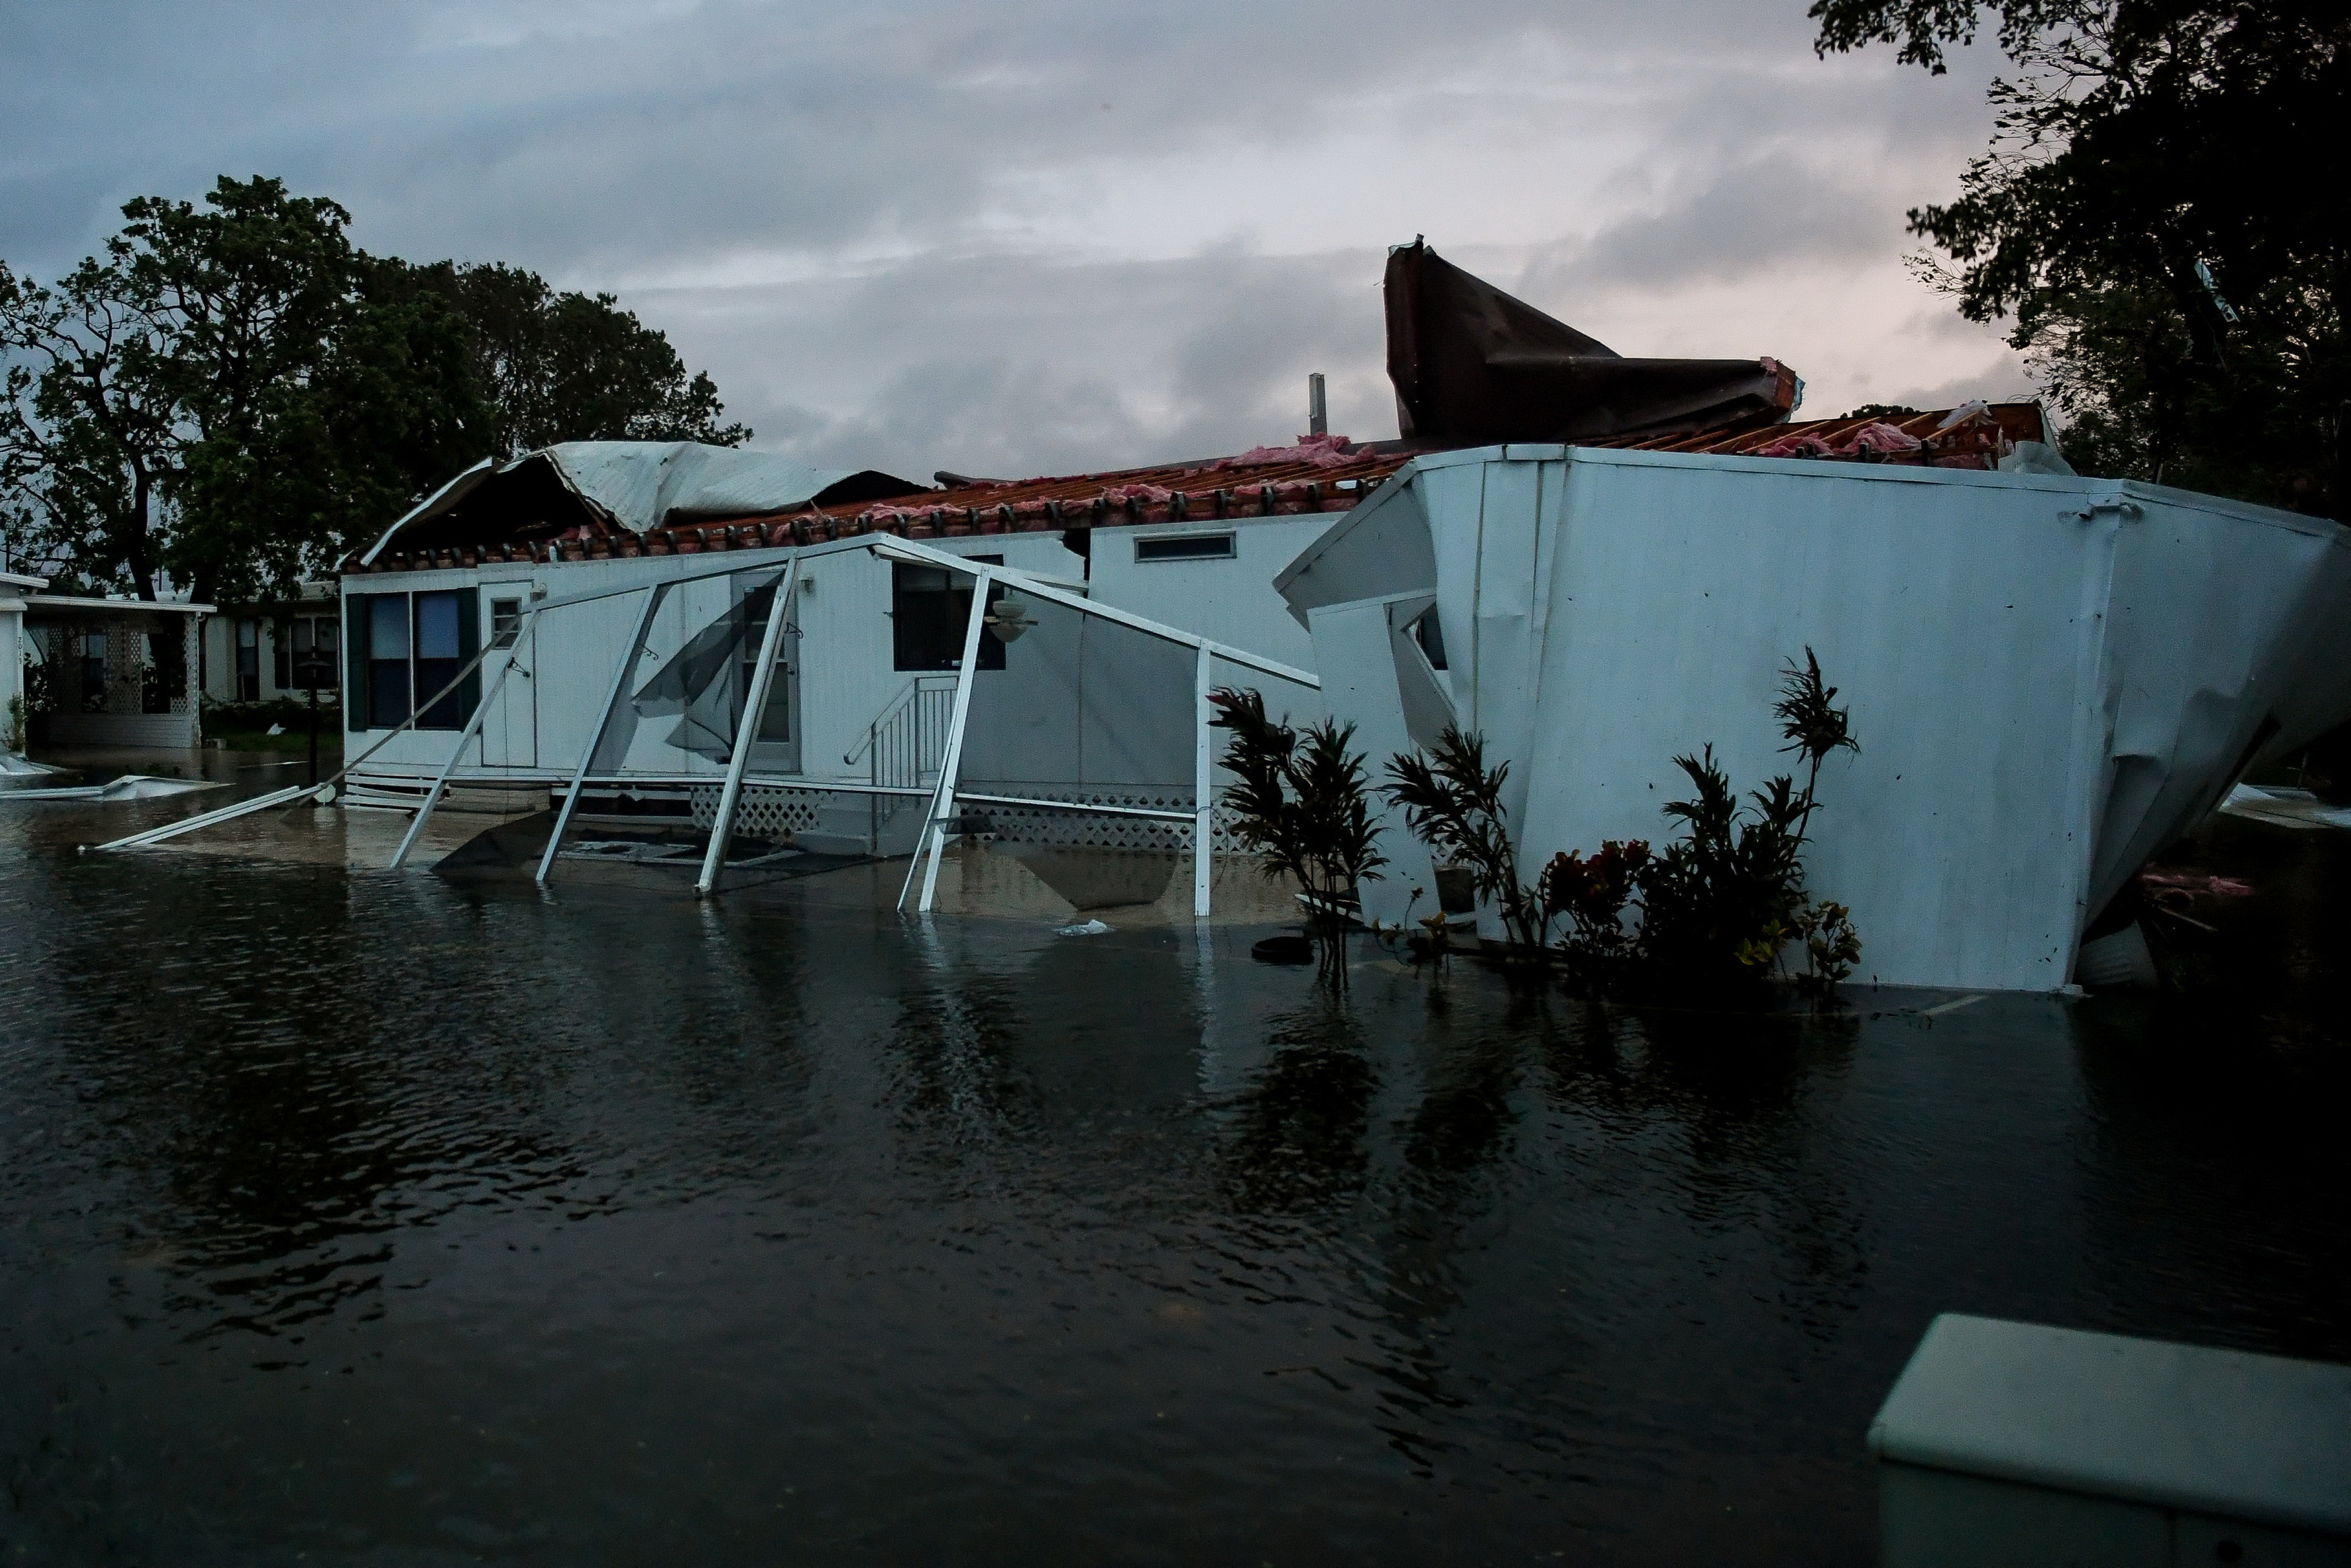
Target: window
(404, 648)
(249, 661)
(506, 622)
(1184, 547)
(305, 652)
(929, 607)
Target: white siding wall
(1232, 601)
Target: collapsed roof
(1473, 367)
(585, 489)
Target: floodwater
(356, 1217)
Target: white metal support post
(747, 730)
(654, 594)
(1204, 807)
(951, 764)
(465, 737)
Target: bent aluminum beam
(951, 763)
(473, 727)
(227, 813)
(206, 819)
(654, 594)
(1045, 803)
(747, 729)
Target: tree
(86, 436)
(233, 394)
(219, 399)
(2184, 311)
(572, 367)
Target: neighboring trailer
(2051, 678)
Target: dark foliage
(1592, 892)
(1301, 802)
(1719, 903)
(567, 367)
(232, 394)
(1454, 802)
(2161, 214)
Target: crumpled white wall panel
(2050, 677)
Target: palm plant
(1720, 902)
(1301, 802)
(1454, 802)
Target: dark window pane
(249, 661)
(1184, 547)
(436, 628)
(439, 657)
(388, 628)
(506, 622)
(387, 692)
(1431, 637)
(930, 608)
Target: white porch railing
(906, 743)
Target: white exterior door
(510, 730)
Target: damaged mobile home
(1595, 561)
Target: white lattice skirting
(769, 813)
(1091, 830)
(763, 813)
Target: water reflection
(378, 1219)
(1299, 1134)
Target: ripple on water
(370, 1219)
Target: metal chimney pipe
(1318, 414)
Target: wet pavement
(349, 1217)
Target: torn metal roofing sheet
(628, 486)
(1472, 367)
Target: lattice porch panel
(763, 812)
(1085, 829)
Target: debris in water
(2187, 882)
(2286, 807)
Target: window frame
(364, 669)
(1163, 550)
(958, 587)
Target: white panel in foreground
(2011, 1443)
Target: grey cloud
(732, 125)
(1745, 219)
(1022, 364)
(616, 142)
(2004, 379)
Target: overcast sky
(1018, 238)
